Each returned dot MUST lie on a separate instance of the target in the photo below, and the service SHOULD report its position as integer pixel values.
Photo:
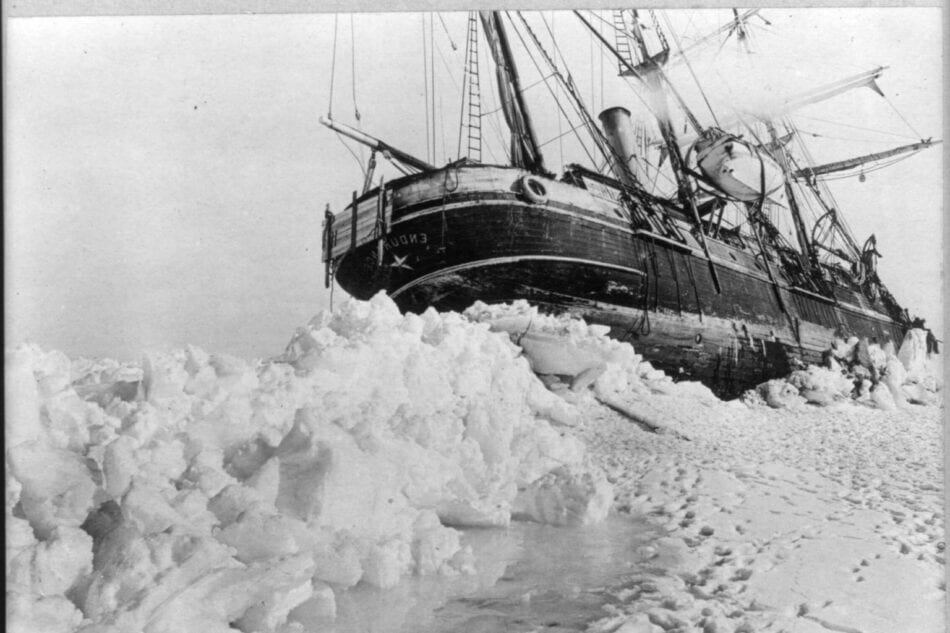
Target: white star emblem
(400, 262)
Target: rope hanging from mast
(332, 68)
(357, 158)
(356, 110)
(425, 80)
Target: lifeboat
(737, 169)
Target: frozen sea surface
(530, 577)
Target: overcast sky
(165, 177)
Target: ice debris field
(201, 492)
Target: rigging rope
(425, 79)
(359, 162)
(560, 143)
(445, 149)
(355, 157)
(850, 139)
(857, 127)
(525, 89)
(843, 228)
(561, 134)
(554, 41)
(635, 92)
(445, 64)
(593, 103)
(911, 127)
(557, 75)
(447, 34)
(601, 77)
(659, 31)
(432, 82)
(689, 66)
(493, 121)
(332, 68)
(599, 18)
(356, 110)
(568, 79)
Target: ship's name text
(407, 239)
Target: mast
(525, 150)
(603, 145)
(726, 28)
(650, 72)
(807, 248)
(809, 173)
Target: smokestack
(619, 132)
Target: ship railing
(366, 219)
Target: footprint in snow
(743, 573)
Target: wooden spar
(823, 93)
(857, 161)
(681, 55)
(537, 161)
(388, 150)
(641, 420)
(814, 95)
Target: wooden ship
(699, 280)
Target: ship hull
(490, 243)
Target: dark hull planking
(565, 256)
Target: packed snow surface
(196, 491)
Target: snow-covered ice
(201, 491)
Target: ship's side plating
(448, 237)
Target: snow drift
(198, 490)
